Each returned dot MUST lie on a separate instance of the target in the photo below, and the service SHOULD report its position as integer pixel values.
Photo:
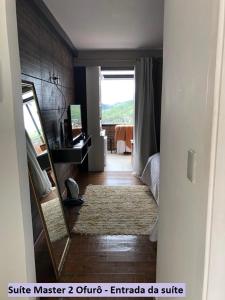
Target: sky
(117, 90)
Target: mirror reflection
(43, 178)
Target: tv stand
(72, 155)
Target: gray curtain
(145, 130)
(39, 177)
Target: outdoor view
(117, 95)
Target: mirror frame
(57, 268)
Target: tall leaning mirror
(43, 180)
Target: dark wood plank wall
(43, 53)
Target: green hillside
(119, 113)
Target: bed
(150, 177)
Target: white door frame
(213, 287)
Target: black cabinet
(72, 155)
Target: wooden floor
(106, 178)
(105, 258)
(110, 259)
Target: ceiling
(110, 24)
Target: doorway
(117, 105)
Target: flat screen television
(75, 122)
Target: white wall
(96, 154)
(17, 256)
(113, 58)
(190, 45)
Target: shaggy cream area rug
(54, 220)
(117, 210)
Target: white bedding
(150, 177)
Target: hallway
(108, 258)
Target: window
(117, 96)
